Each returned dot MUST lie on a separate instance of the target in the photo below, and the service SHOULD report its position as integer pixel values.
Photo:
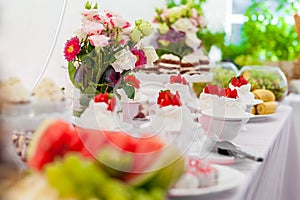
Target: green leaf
(129, 91)
(90, 90)
(72, 71)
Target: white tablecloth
(294, 101)
(278, 177)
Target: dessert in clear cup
(198, 174)
(136, 108)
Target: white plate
(205, 77)
(255, 102)
(153, 77)
(228, 118)
(229, 178)
(256, 118)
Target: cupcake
(14, 97)
(48, 98)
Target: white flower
(119, 22)
(125, 60)
(150, 54)
(80, 34)
(93, 27)
(192, 40)
(184, 25)
(99, 40)
(89, 14)
(116, 20)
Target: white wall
(27, 29)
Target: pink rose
(99, 40)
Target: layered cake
(194, 64)
(169, 64)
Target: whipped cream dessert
(12, 90)
(96, 116)
(171, 118)
(244, 93)
(221, 106)
(184, 91)
(47, 90)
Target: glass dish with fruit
(266, 77)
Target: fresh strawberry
(214, 90)
(178, 79)
(101, 98)
(176, 99)
(239, 81)
(166, 98)
(231, 93)
(111, 102)
(211, 89)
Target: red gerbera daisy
(141, 57)
(72, 48)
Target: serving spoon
(228, 148)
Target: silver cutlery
(226, 147)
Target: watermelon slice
(52, 139)
(138, 161)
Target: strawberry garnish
(239, 81)
(178, 79)
(231, 93)
(214, 90)
(111, 102)
(101, 98)
(221, 92)
(166, 98)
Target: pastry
(264, 95)
(266, 108)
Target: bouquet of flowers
(178, 27)
(105, 50)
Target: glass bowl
(223, 73)
(266, 77)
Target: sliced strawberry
(112, 104)
(101, 98)
(231, 93)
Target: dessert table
(278, 176)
